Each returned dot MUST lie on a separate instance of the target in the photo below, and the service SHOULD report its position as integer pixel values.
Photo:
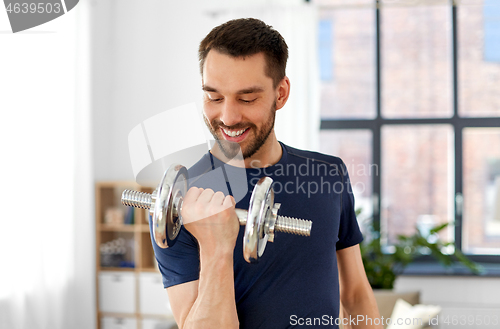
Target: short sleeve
(349, 232)
(179, 263)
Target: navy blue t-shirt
(296, 279)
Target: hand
(211, 218)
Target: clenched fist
(211, 218)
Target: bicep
(352, 274)
(182, 298)
(355, 291)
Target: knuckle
(213, 209)
(194, 189)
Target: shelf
(118, 315)
(150, 269)
(124, 227)
(147, 256)
(123, 237)
(144, 228)
(117, 227)
(124, 269)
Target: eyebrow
(250, 90)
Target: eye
(214, 99)
(248, 100)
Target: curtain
(46, 226)
(297, 124)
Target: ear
(282, 92)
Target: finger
(192, 194)
(190, 199)
(228, 202)
(218, 198)
(206, 196)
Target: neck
(269, 154)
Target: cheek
(264, 114)
(209, 111)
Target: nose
(230, 113)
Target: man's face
(239, 102)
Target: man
(296, 281)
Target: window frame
(458, 123)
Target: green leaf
(438, 228)
(382, 269)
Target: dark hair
(245, 37)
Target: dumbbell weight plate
(261, 204)
(166, 219)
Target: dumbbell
(261, 218)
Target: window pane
(344, 3)
(347, 63)
(481, 190)
(417, 180)
(479, 58)
(416, 61)
(354, 147)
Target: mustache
(242, 125)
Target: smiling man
(299, 280)
(241, 102)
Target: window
(347, 68)
(491, 21)
(411, 90)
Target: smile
(234, 133)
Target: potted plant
(383, 268)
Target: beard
(231, 149)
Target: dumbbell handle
(283, 223)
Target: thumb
(229, 201)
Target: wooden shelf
(143, 228)
(114, 269)
(118, 315)
(117, 227)
(150, 269)
(129, 243)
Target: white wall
(478, 297)
(144, 62)
(144, 57)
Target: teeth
(234, 133)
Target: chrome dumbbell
(261, 218)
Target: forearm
(363, 309)
(355, 291)
(215, 305)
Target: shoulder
(204, 165)
(298, 155)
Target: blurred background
(406, 92)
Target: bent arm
(208, 302)
(355, 291)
